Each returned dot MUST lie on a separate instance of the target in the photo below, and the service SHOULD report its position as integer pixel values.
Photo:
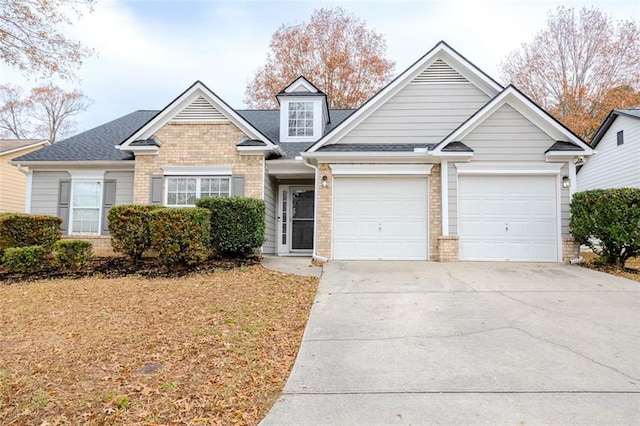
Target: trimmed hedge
(180, 235)
(23, 230)
(129, 228)
(73, 254)
(24, 259)
(611, 216)
(237, 224)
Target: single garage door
(507, 218)
(380, 218)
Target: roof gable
(604, 127)
(442, 63)
(198, 102)
(524, 106)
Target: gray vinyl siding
(614, 166)
(124, 186)
(419, 113)
(508, 136)
(270, 202)
(452, 181)
(44, 191)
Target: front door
(295, 222)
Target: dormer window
(301, 119)
(304, 112)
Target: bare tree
(580, 67)
(31, 39)
(52, 109)
(13, 112)
(334, 50)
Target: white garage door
(507, 218)
(380, 218)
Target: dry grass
(213, 348)
(631, 270)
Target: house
(13, 181)
(442, 164)
(617, 163)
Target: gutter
(315, 255)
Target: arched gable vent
(200, 110)
(439, 72)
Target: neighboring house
(617, 160)
(13, 181)
(442, 164)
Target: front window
(85, 206)
(301, 119)
(183, 191)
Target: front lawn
(209, 348)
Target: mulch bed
(118, 267)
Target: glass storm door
(296, 219)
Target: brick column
(325, 204)
(448, 248)
(570, 249)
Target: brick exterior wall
(325, 205)
(570, 249)
(448, 248)
(435, 212)
(101, 244)
(198, 144)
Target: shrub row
(22, 230)
(608, 222)
(68, 254)
(225, 226)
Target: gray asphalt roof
(634, 112)
(97, 144)
(564, 146)
(457, 147)
(11, 144)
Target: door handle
(379, 227)
(506, 226)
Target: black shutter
(109, 199)
(64, 198)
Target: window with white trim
(300, 118)
(183, 191)
(86, 202)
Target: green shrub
(608, 222)
(73, 254)
(180, 235)
(24, 259)
(129, 228)
(22, 230)
(237, 224)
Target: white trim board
(508, 168)
(380, 169)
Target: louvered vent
(200, 110)
(439, 72)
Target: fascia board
(44, 142)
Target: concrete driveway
(412, 343)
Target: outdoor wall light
(566, 182)
(324, 182)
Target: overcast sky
(149, 51)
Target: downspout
(315, 255)
(29, 175)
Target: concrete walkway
(412, 343)
(297, 265)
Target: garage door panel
(384, 218)
(507, 218)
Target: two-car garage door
(508, 218)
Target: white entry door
(508, 218)
(380, 218)
(295, 221)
